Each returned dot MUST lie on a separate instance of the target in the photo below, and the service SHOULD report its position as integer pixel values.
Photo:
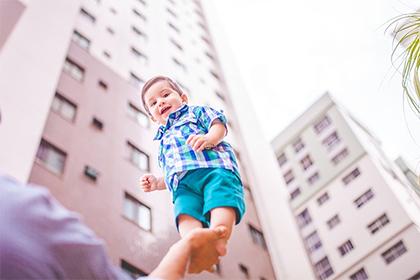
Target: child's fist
(148, 182)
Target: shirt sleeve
(40, 239)
(207, 115)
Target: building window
(137, 212)
(218, 269)
(102, 85)
(206, 40)
(80, 40)
(359, 275)
(176, 29)
(295, 193)
(345, 248)
(106, 54)
(257, 236)
(282, 159)
(96, 123)
(131, 270)
(394, 252)
(73, 69)
(306, 162)
(377, 224)
(110, 30)
(140, 15)
(331, 141)
(322, 124)
(179, 64)
(91, 173)
(51, 157)
(171, 12)
(139, 56)
(303, 218)
(138, 158)
(298, 145)
(209, 55)
(88, 16)
(351, 176)
(176, 44)
(323, 198)
(415, 276)
(323, 269)
(215, 75)
(64, 107)
(113, 11)
(340, 156)
(135, 80)
(313, 178)
(365, 197)
(288, 177)
(138, 32)
(137, 115)
(333, 222)
(313, 242)
(244, 271)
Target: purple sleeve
(40, 239)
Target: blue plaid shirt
(176, 157)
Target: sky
(291, 52)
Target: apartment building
(72, 120)
(356, 212)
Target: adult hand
(204, 253)
(195, 252)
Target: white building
(72, 120)
(357, 217)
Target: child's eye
(166, 94)
(152, 103)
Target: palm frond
(406, 32)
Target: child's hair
(153, 81)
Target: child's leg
(187, 223)
(223, 216)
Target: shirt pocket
(186, 126)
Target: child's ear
(184, 98)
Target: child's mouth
(165, 110)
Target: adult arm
(40, 239)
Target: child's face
(161, 100)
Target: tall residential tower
(72, 120)
(358, 216)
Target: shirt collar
(170, 121)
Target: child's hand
(148, 183)
(199, 142)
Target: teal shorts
(203, 189)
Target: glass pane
(42, 151)
(55, 106)
(142, 119)
(68, 111)
(55, 161)
(129, 208)
(144, 217)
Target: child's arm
(149, 182)
(215, 135)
